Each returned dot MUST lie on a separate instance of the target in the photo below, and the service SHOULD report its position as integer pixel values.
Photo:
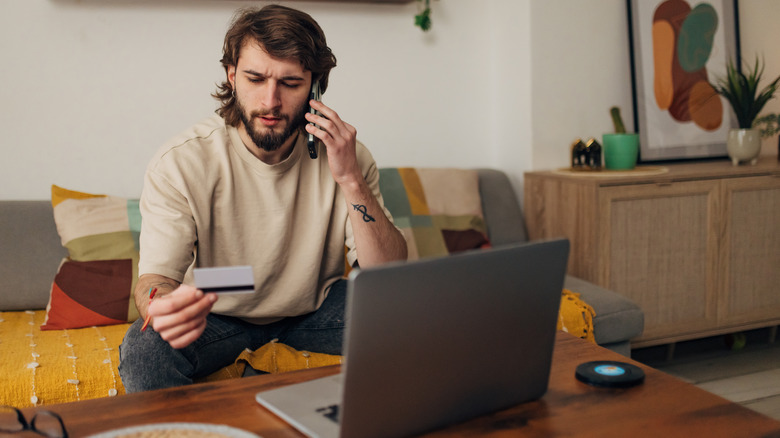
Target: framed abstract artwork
(678, 48)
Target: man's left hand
(339, 137)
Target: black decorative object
(586, 156)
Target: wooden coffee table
(661, 406)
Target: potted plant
(747, 101)
(621, 149)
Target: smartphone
(312, 141)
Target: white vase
(743, 145)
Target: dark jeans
(149, 362)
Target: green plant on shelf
(617, 120)
(741, 91)
(768, 125)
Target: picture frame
(678, 48)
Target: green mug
(620, 151)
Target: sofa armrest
(617, 318)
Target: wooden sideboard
(696, 245)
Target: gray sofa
(31, 252)
(617, 320)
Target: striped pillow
(439, 211)
(94, 284)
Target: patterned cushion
(439, 211)
(94, 284)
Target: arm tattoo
(362, 209)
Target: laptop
(436, 342)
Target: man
(241, 189)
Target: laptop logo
(330, 412)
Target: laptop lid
(439, 341)
(436, 342)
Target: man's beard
(272, 140)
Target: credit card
(228, 279)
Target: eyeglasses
(44, 423)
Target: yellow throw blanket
(56, 366)
(576, 316)
(274, 357)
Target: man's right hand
(180, 316)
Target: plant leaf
(741, 91)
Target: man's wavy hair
(284, 33)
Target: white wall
(760, 34)
(581, 68)
(90, 88)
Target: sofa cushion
(501, 208)
(94, 285)
(439, 211)
(90, 293)
(30, 254)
